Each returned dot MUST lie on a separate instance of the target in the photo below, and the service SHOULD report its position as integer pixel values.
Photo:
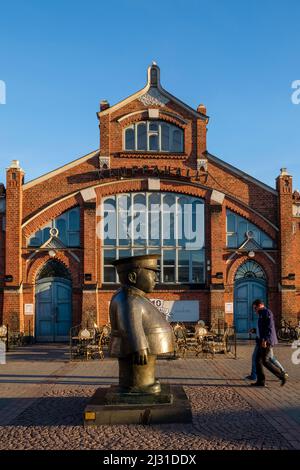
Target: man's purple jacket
(266, 326)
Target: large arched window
(169, 224)
(68, 226)
(239, 229)
(153, 136)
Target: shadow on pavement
(209, 422)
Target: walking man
(266, 340)
(273, 359)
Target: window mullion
(161, 237)
(117, 235)
(117, 221)
(147, 220)
(176, 221)
(181, 141)
(147, 140)
(176, 239)
(161, 264)
(159, 137)
(131, 220)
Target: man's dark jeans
(263, 359)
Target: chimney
(201, 109)
(104, 104)
(283, 172)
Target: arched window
(153, 136)
(68, 225)
(141, 136)
(250, 270)
(169, 224)
(129, 139)
(238, 229)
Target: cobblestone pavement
(42, 397)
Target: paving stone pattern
(41, 406)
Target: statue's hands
(140, 357)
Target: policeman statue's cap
(134, 262)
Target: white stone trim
(202, 163)
(61, 169)
(49, 206)
(153, 184)
(104, 161)
(143, 91)
(153, 113)
(88, 194)
(142, 111)
(153, 97)
(197, 185)
(241, 173)
(161, 113)
(122, 103)
(243, 251)
(15, 165)
(296, 210)
(217, 197)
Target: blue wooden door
(245, 292)
(53, 310)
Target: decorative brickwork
(28, 207)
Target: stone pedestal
(108, 406)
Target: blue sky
(59, 58)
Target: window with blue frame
(169, 224)
(237, 229)
(68, 226)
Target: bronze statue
(139, 330)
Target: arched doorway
(249, 284)
(53, 300)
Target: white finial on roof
(15, 164)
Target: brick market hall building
(56, 265)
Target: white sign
(229, 307)
(28, 309)
(178, 310)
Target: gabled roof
(61, 169)
(250, 244)
(239, 173)
(153, 91)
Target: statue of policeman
(139, 330)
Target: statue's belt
(147, 331)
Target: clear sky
(59, 58)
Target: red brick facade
(28, 206)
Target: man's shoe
(250, 377)
(283, 379)
(258, 384)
